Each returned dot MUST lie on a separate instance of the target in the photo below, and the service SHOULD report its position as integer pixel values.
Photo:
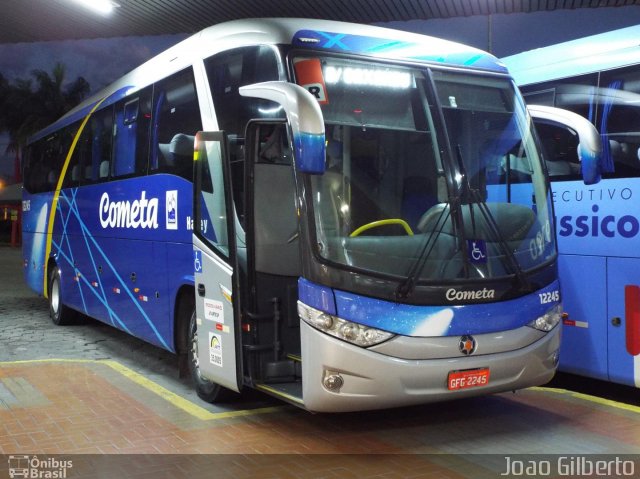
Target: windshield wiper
(408, 284)
(494, 229)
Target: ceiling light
(101, 6)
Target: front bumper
(371, 380)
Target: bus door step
(290, 392)
(284, 371)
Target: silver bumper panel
(371, 380)
(408, 347)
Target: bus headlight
(549, 320)
(346, 330)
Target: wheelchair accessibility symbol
(477, 251)
(197, 261)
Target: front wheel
(207, 390)
(61, 315)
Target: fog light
(333, 382)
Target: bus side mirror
(590, 146)
(304, 117)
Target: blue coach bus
(315, 209)
(597, 77)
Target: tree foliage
(28, 105)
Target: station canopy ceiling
(44, 20)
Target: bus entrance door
(273, 359)
(214, 261)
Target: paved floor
(89, 389)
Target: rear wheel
(207, 390)
(61, 315)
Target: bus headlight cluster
(346, 330)
(549, 320)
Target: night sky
(103, 60)
(99, 61)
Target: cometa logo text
(455, 295)
(142, 213)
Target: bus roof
(330, 35)
(577, 57)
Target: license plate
(470, 378)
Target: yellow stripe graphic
(56, 195)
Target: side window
(56, 149)
(34, 175)
(131, 135)
(560, 146)
(50, 163)
(560, 152)
(541, 97)
(230, 70)
(92, 154)
(227, 72)
(619, 121)
(73, 176)
(89, 162)
(96, 168)
(176, 119)
(577, 94)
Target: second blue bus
(598, 226)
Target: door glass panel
(211, 208)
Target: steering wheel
(375, 224)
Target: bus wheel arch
(207, 390)
(51, 265)
(185, 337)
(61, 315)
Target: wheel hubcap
(55, 296)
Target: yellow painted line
(593, 399)
(174, 399)
(56, 195)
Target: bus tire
(61, 315)
(207, 390)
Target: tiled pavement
(100, 407)
(79, 391)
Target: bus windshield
(431, 175)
